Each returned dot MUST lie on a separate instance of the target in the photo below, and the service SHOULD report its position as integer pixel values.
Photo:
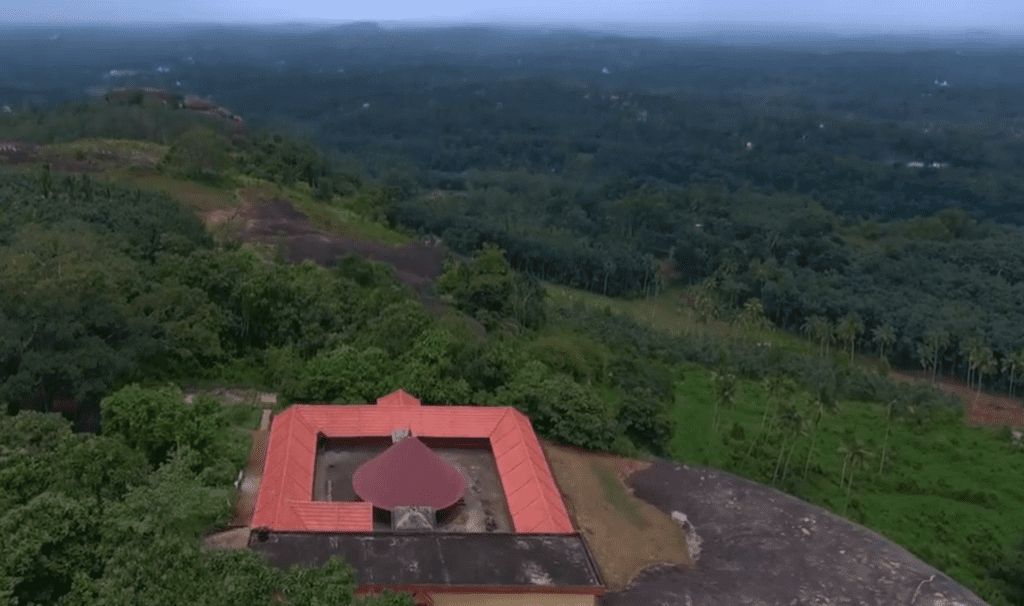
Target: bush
(645, 420)
(158, 420)
(560, 409)
(346, 374)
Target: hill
(154, 297)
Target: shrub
(158, 420)
(560, 409)
(345, 374)
(645, 420)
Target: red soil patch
(984, 409)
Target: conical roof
(409, 473)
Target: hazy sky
(874, 15)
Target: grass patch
(243, 416)
(340, 217)
(129, 150)
(197, 196)
(616, 494)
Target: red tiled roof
(408, 473)
(398, 398)
(284, 501)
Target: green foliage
(68, 329)
(576, 355)
(646, 420)
(345, 375)
(332, 583)
(429, 369)
(199, 153)
(49, 542)
(394, 328)
(561, 410)
(157, 420)
(488, 289)
(632, 372)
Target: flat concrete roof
(504, 560)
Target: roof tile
(398, 398)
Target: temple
(455, 504)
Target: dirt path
(985, 409)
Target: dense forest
(838, 195)
(808, 177)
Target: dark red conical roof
(408, 473)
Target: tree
(429, 369)
(936, 341)
(158, 420)
(925, 354)
(884, 336)
(792, 423)
(646, 421)
(706, 302)
(971, 349)
(487, 288)
(986, 365)
(857, 452)
(1013, 361)
(776, 388)
(48, 541)
(561, 409)
(821, 331)
(68, 329)
(345, 374)
(200, 152)
(819, 403)
(849, 328)
(752, 317)
(885, 442)
(724, 382)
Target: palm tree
(884, 336)
(857, 454)
(753, 315)
(776, 387)
(849, 327)
(820, 404)
(821, 331)
(792, 424)
(971, 349)
(844, 449)
(924, 355)
(725, 389)
(986, 365)
(1013, 361)
(707, 301)
(937, 341)
(885, 443)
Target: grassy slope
(951, 494)
(128, 163)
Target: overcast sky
(856, 15)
